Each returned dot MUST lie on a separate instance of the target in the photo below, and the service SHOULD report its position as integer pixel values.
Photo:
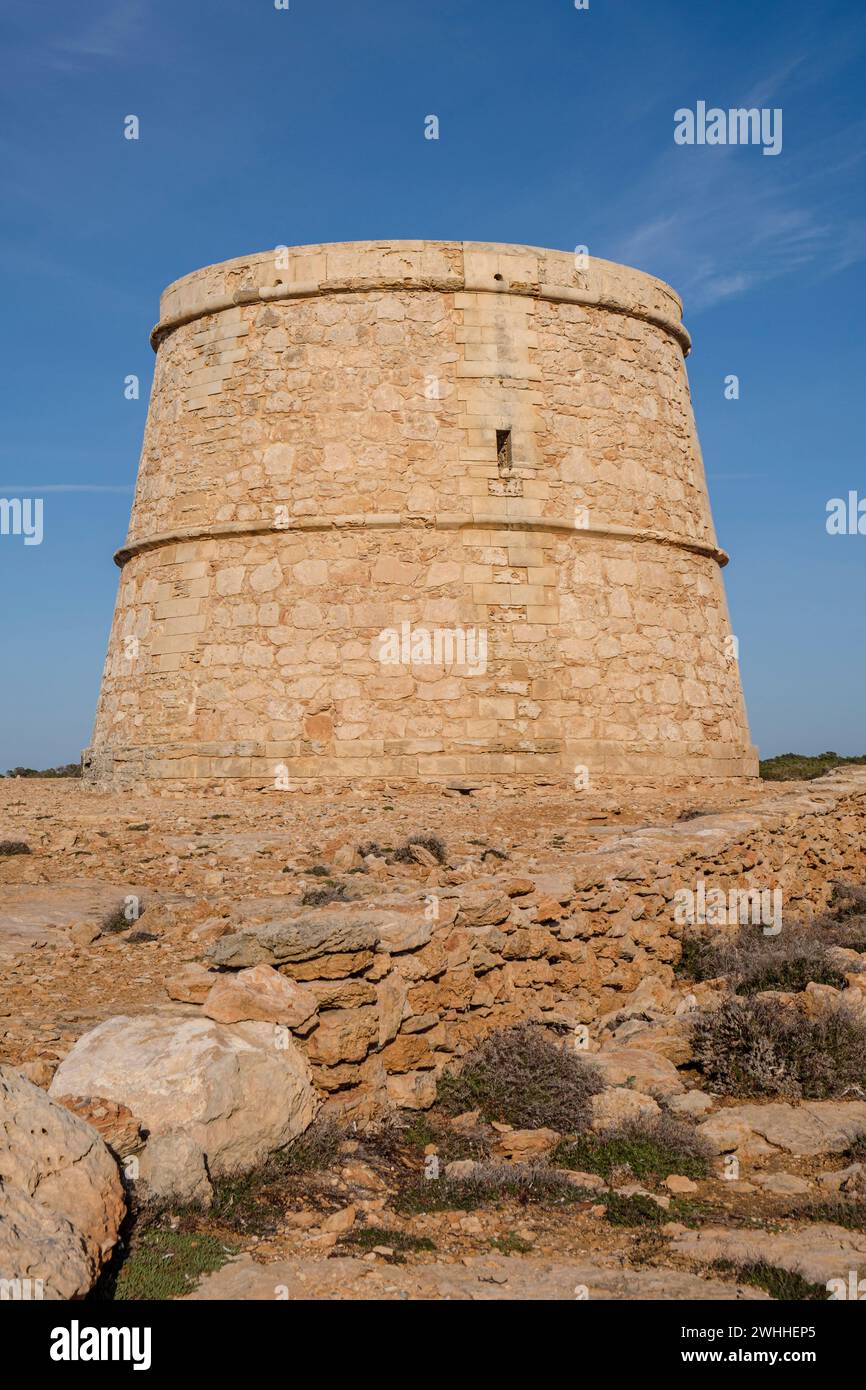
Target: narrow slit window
(503, 451)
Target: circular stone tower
(415, 510)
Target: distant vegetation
(789, 767)
(66, 770)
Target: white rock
(238, 1091)
(617, 1104)
(172, 1169)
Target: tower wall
(354, 452)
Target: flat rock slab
(817, 1252)
(487, 1278)
(813, 1127)
(34, 914)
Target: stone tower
(420, 510)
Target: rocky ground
(754, 1196)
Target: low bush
(758, 1047)
(753, 962)
(518, 1077)
(525, 1183)
(648, 1148)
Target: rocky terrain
(243, 1043)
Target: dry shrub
(754, 962)
(517, 1077)
(760, 1047)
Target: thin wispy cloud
(108, 35)
(734, 220)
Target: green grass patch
(783, 1284)
(636, 1210)
(511, 1245)
(167, 1264)
(650, 1149)
(401, 1242)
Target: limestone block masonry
(413, 510)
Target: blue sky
(261, 127)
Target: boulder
(642, 1070)
(617, 1104)
(522, 1145)
(42, 1255)
(259, 994)
(239, 1091)
(812, 1127)
(172, 1169)
(51, 1160)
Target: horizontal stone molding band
(412, 760)
(396, 522)
(561, 294)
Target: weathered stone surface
(53, 1159)
(259, 994)
(342, 993)
(691, 1103)
(850, 1180)
(617, 1104)
(172, 1169)
(191, 984)
(481, 1278)
(782, 1184)
(42, 1250)
(818, 1252)
(231, 376)
(414, 1090)
(404, 934)
(239, 1091)
(331, 967)
(343, 1035)
(648, 1072)
(483, 909)
(679, 1185)
(279, 943)
(115, 1124)
(390, 1002)
(522, 1145)
(406, 1052)
(813, 1127)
